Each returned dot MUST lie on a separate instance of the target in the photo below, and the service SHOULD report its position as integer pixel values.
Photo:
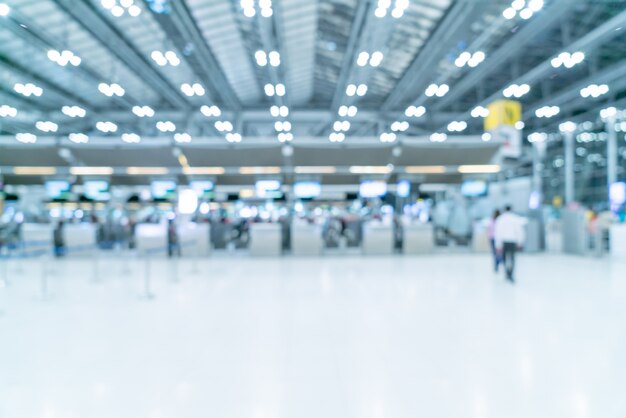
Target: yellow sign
(557, 201)
(503, 113)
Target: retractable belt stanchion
(44, 278)
(196, 259)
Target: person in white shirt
(509, 236)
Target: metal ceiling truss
(91, 20)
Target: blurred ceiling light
(28, 89)
(547, 111)
(388, 137)
(260, 170)
(457, 126)
(78, 138)
(7, 111)
(425, 169)
(64, 57)
(91, 171)
(74, 111)
(568, 60)
(110, 90)
(415, 112)
(46, 126)
(315, 170)
(143, 111)
(515, 90)
(233, 137)
(480, 112)
(182, 137)
(4, 9)
(438, 137)
(437, 90)
(26, 138)
(34, 171)
(479, 169)
(369, 169)
(131, 138)
(199, 171)
(594, 90)
(146, 171)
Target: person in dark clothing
(59, 239)
(173, 246)
(492, 240)
(509, 237)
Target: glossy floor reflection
(396, 337)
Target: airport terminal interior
(312, 208)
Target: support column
(568, 138)
(611, 153)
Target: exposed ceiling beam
(66, 97)
(91, 20)
(570, 95)
(588, 43)
(507, 51)
(456, 20)
(182, 30)
(362, 16)
(29, 31)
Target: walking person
(58, 237)
(497, 259)
(509, 237)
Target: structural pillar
(568, 137)
(611, 154)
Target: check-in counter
(80, 238)
(377, 238)
(306, 239)
(480, 238)
(151, 236)
(418, 238)
(265, 239)
(37, 236)
(195, 239)
(617, 237)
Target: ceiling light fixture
(594, 90)
(415, 112)
(47, 126)
(7, 111)
(388, 137)
(64, 57)
(164, 58)
(143, 111)
(26, 138)
(34, 171)
(469, 59)
(211, 111)
(515, 90)
(166, 126)
(425, 169)
(437, 90)
(91, 171)
(233, 137)
(438, 137)
(78, 138)
(457, 126)
(547, 111)
(74, 111)
(568, 60)
(28, 89)
(337, 137)
(110, 90)
(131, 138)
(106, 127)
(480, 112)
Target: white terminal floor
(354, 337)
